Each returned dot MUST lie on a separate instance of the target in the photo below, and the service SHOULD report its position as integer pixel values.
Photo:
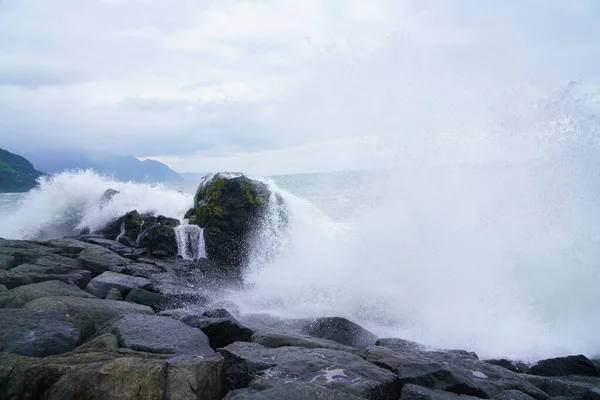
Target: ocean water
(502, 258)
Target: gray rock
(512, 395)
(100, 285)
(414, 392)
(100, 342)
(194, 377)
(401, 344)
(53, 264)
(252, 364)
(99, 260)
(567, 386)
(70, 246)
(6, 262)
(275, 340)
(35, 333)
(9, 300)
(447, 371)
(24, 251)
(143, 270)
(291, 391)
(3, 289)
(340, 330)
(114, 294)
(96, 311)
(46, 289)
(156, 334)
(514, 366)
(221, 332)
(564, 366)
(157, 301)
(12, 279)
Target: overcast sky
(283, 86)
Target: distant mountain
(17, 174)
(193, 176)
(122, 167)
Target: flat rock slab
(70, 246)
(36, 333)
(291, 391)
(275, 340)
(156, 334)
(12, 279)
(452, 372)
(52, 264)
(46, 289)
(103, 283)
(111, 374)
(95, 310)
(100, 260)
(250, 364)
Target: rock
(195, 377)
(3, 289)
(563, 366)
(23, 251)
(221, 332)
(156, 334)
(512, 395)
(6, 262)
(100, 342)
(160, 240)
(111, 374)
(53, 264)
(291, 391)
(250, 364)
(275, 340)
(457, 373)
(36, 333)
(12, 279)
(400, 344)
(157, 301)
(125, 229)
(571, 386)
(9, 300)
(96, 311)
(34, 291)
(514, 366)
(143, 270)
(229, 209)
(100, 285)
(98, 261)
(414, 392)
(70, 246)
(340, 330)
(114, 294)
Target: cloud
(266, 85)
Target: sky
(286, 86)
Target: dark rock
(23, 251)
(218, 313)
(512, 395)
(275, 340)
(221, 332)
(340, 330)
(465, 353)
(514, 366)
(36, 333)
(3, 289)
(128, 227)
(98, 261)
(249, 364)
(12, 279)
(144, 270)
(156, 334)
(292, 391)
(114, 294)
(457, 373)
(100, 342)
(9, 300)
(85, 310)
(157, 301)
(100, 285)
(563, 366)
(70, 246)
(229, 209)
(571, 386)
(53, 264)
(414, 392)
(34, 291)
(6, 262)
(160, 240)
(194, 377)
(401, 344)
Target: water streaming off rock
(190, 242)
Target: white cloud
(287, 85)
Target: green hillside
(16, 173)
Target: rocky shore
(117, 314)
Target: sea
(502, 259)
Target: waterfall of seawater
(190, 242)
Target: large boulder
(103, 283)
(229, 208)
(46, 289)
(100, 260)
(160, 240)
(340, 330)
(37, 333)
(565, 366)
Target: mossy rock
(230, 209)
